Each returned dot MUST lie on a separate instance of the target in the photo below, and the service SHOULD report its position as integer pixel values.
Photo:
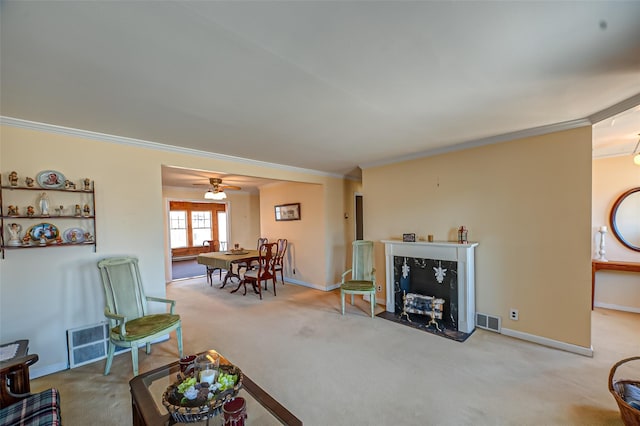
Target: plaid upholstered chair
(18, 406)
(130, 323)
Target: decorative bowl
(200, 408)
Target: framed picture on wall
(288, 212)
(409, 238)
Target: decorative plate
(50, 179)
(49, 230)
(68, 235)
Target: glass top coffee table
(146, 400)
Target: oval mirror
(625, 219)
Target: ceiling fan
(216, 189)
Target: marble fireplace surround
(464, 254)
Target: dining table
(229, 261)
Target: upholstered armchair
(130, 323)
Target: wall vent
(88, 344)
(488, 322)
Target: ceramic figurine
(87, 210)
(44, 204)
(88, 237)
(29, 181)
(58, 240)
(13, 211)
(69, 185)
(13, 178)
(26, 240)
(87, 184)
(43, 240)
(78, 211)
(14, 234)
(30, 211)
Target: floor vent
(488, 322)
(89, 344)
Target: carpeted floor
(188, 268)
(330, 369)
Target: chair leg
(209, 276)
(342, 300)
(148, 348)
(134, 359)
(372, 299)
(179, 338)
(274, 284)
(110, 352)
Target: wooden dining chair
(214, 245)
(278, 264)
(264, 271)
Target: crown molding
(534, 131)
(103, 137)
(616, 109)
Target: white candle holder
(601, 251)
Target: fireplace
(439, 269)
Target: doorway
(191, 224)
(359, 230)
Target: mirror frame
(612, 219)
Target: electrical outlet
(379, 288)
(513, 314)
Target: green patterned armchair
(130, 324)
(363, 274)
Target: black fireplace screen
(429, 277)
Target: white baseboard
(306, 284)
(34, 373)
(616, 307)
(556, 344)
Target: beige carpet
(330, 369)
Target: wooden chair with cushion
(18, 406)
(213, 245)
(363, 275)
(278, 264)
(254, 263)
(264, 271)
(130, 323)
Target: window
(192, 223)
(201, 227)
(178, 228)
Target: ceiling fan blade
(236, 188)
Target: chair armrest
(163, 300)
(119, 318)
(14, 379)
(345, 274)
(17, 363)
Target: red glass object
(235, 412)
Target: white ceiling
(322, 85)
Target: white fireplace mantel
(464, 254)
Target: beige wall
(44, 292)
(243, 210)
(612, 177)
(528, 204)
(305, 236)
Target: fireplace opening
(427, 277)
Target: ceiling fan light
(636, 159)
(209, 195)
(219, 196)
